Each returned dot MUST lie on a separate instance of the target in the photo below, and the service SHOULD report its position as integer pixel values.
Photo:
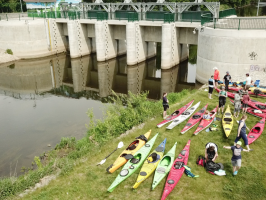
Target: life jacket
(201, 161)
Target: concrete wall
(230, 50)
(31, 39)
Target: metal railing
(193, 16)
(169, 17)
(156, 15)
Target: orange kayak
(129, 152)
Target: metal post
(239, 25)
(6, 18)
(21, 7)
(258, 8)
(19, 16)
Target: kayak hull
(164, 166)
(256, 131)
(175, 174)
(133, 164)
(121, 160)
(149, 167)
(175, 114)
(184, 116)
(205, 123)
(192, 122)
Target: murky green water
(45, 99)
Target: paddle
(120, 145)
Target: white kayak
(185, 115)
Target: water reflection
(45, 99)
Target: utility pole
(258, 8)
(21, 7)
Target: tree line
(7, 6)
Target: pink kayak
(252, 111)
(206, 122)
(194, 119)
(176, 171)
(175, 114)
(256, 131)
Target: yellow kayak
(129, 152)
(150, 164)
(257, 88)
(227, 121)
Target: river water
(45, 99)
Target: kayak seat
(142, 137)
(134, 160)
(256, 130)
(161, 170)
(227, 119)
(196, 116)
(261, 107)
(133, 145)
(127, 156)
(165, 161)
(175, 113)
(153, 158)
(178, 165)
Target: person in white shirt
(248, 81)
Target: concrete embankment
(5, 57)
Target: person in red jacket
(245, 100)
(216, 76)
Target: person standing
(165, 105)
(222, 99)
(216, 76)
(211, 85)
(245, 100)
(248, 81)
(237, 104)
(236, 158)
(241, 131)
(227, 79)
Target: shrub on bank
(9, 51)
(124, 113)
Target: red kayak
(256, 131)
(251, 93)
(175, 114)
(229, 94)
(252, 112)
(176, 171)
(194, 119)
(206, 122)
(257, 105)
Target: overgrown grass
(126, 112)
(88, 181)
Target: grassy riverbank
(85, 180)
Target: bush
(9, 51)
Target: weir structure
(112, 29)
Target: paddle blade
(120, 145)
(103, 161)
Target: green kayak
(133, 164)
(164, 167)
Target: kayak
(176, 171)
(256, 131)
(129, 152)
(206, 122)
(252, 111)
(251, 93)
(149, 166)
(183, 116)
(133, 164)
(229, 94)
(227, 121)
(194, 119)
(175, 114)
(257, 88)
(257, 105)
(164, 167)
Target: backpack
(201, 161)
(212, 166)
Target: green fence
(226, 13)
(169, 17)
(208, 17)
(102, 16)
(156, 15)
(192, 16)
(133, 16)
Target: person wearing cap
(236, 158)
(227, 79)
(241, 131)
(222, 99)
(211, 85)
(216, 76)
(248, 81)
